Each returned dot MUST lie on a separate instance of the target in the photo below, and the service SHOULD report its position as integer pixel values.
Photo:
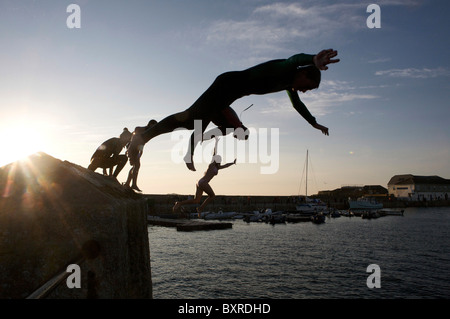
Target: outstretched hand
(325, 57)
(322, 128)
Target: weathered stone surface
(49, 209)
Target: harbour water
(306, 260)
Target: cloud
(263, 31)
(275, 27)
(380, 60)
(321, 102)
(414, 73)
(399, 2)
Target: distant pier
(182, 224)
(163, 204)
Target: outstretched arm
(227, 165)
(301, 108)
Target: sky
(65, 90)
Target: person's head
(151, 123)
(217, 159)
(125, 136)
(306, 78)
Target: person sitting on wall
(108, 155)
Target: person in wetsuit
(135, 161)
(203, 184)
(108, 155)
(300, 72)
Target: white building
(419, 188)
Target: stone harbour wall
(53, 214)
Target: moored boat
(392, 212)
(318, 218)
(220, 215)
(364, 203)
(311, 206)
(308, 205)
(347, 213)
(276, 219)
(370, 214)
(335, 214)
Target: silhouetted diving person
(300, 72)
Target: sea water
(306, 260)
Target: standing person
(203, 184)
(300, 72)
(135, 161)
(108, 155)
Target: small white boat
(196, 215)
(311, 207)
(220, 215)
(255, 216)
(364, 203)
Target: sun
(20, 138)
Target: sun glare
(20, 139)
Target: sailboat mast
(306, 195)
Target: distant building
(419, 188)
(374, 190)
(355, 192)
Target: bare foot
(136, 188)
(199, 212)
